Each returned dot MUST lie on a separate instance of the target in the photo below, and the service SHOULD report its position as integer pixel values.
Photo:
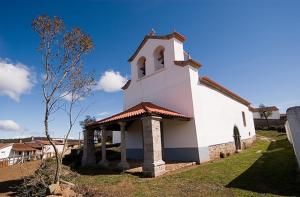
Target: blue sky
(250, 47)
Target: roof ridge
(174, 34)
(145, 107)
(206, 80)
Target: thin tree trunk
(267, 120)
(57, 170)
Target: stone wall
(224, 150)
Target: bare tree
(264, 113)
(64, 82)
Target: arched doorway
(237, 138)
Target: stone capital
(158, 118)
(122, 124)
(103, 127)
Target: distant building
(12, 153)
(272, 110)
(5, 150)
(268, 118)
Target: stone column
(153, 164)
(103, 161)
(88, 157)
(123, 164)
(293, 118)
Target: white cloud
(15, 79)
(10, 125)
(68, 97)
(111, 81)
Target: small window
(244, 119)
(159, 57)
(141, 67)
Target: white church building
(171, 113)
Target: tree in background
(264, 113)
(64, 82)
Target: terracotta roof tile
(22, 147)
(205, 80)
(46, 142)
(144, 108)
(3, 145)
(34, 145)
(264, 109)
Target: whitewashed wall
(116, 137)
(134, 136)
(217, 115)
(169, 87)
(293, 118)
(5, 152)
(49, 150)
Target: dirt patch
(12, 175)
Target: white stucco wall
(169, 87)
(5, 152)
(116, 137)
(217, 115)
(49, 150)
(274, 115)
(134, 136)
(293, 118)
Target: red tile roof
(46, 142)
(144, 108)
(3, 145)
(22, 147)
(34, 145)
(176, 35)
(205, 80)
(264, 109)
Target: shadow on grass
(112, 169)
(9, 187)
(113, 156)
(274, 172)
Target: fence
(12, 160)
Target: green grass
(268, 168)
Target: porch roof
(22, 147)
(140, 110)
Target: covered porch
(150, 116)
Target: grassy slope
(268, 169)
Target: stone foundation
(224, 150)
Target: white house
(272, 111)
(171, 113)
(5, 150)
(47, 148)
(16, 152)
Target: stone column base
(154, 169)
(123, 165)
(104, 163)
